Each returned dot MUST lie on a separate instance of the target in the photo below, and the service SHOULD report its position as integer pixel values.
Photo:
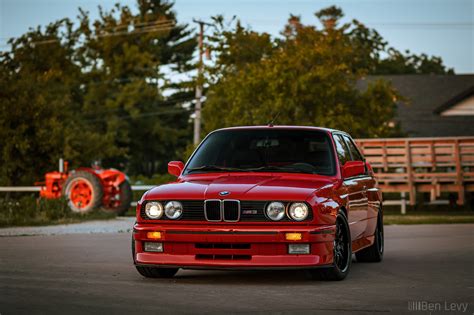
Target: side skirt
(362, 243)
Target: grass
(433, 215)
(32, 211)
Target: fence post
(411, 183)
(460, 176)
(403, 202)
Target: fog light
(153, 235)
(298, 249)
(153, 247)
(293, 236)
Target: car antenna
(271, 122)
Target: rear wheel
(374, 253)
(342, 253)
(83, 191)
(120, 202)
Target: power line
(146, 24)
(146, 30)
(175, 101)
(125, 33)
(149, 114)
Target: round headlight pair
(173, 210)
(297, 211)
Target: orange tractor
(88, 188)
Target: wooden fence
(428, 165)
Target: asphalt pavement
(425, 267)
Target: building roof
(427, 96)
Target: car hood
(242, 187)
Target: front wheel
(155, 272)
(342, 253)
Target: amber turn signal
(153, 235)
(293, 236)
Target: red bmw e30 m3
(263, 197)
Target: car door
(353, 191)
(364, 182)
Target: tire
(153, 272)
(125, 199)
(374, 253)
(83, 192)
(342, 254)
(133, 250)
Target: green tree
(96, 90)
(399, 63)
(40, 98)
(307, 78)
(130, 58)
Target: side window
(356, 156)
(342, 151)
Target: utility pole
(197, 108)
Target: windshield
(264, 150)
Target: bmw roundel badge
(224, 193)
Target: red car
(266, 197)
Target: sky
(442, 28)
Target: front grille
(222, 210)
(212, 210)
(195, 210)
(231, 210)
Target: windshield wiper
(277, 168)
(214, 168)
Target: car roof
(327, 130)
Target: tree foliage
(95, 90)
(105, 89)
(308, 77)
(129, 56)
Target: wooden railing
(429, 165)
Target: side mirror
(353, 168)
(175, 168)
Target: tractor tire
(125, 199)
(83, 192)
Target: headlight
(153, 210)
(173, 209)
(298, 211)
(275, 211)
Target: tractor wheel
(83, 191)
(122, 200)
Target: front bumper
(233, 247)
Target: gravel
(118, 225)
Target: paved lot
(92, 273)
(117, 225)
